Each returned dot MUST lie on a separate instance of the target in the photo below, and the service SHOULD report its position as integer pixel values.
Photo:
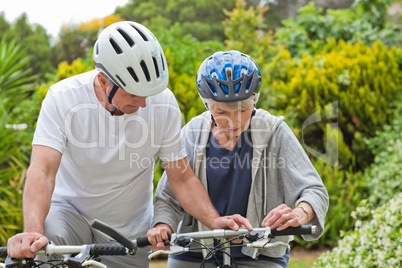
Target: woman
(249, 161)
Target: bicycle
(258, 238)
(66, 256)
(89, 255)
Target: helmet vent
(226, 56)
(97, 49)
(132, 73)
(156, 67)
(163, 63)
(115, 46)
(126, 37)
(145, 70)
(249, 83)
(121, 81)
(141, 33)
(229, 73)
(212, 88)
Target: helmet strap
(213, 120)
(110, 97)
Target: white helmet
(130, 55)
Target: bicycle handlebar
(301, 230)
(129, 247)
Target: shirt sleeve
(172, 148)
(301, 182)
(50, 129)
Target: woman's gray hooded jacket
(281, 174)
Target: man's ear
(102, 81)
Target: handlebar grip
(301, 230)
(108, 249)
(3, 252)
(143, 241)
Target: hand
(24, 245)
(283, 215)
(234, 222)
(158, 235)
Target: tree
(36, 41)
(76, 40)
(201, 18)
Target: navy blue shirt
(229, 182)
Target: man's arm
(38, 191)
(194, 199)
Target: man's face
(128, 103)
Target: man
(98, 135)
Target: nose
(141, 101)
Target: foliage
(76, 41)
(243, 25)
(184, 54)
(200, 18)
(16, 83)
(345, 192)
(354, 83)
(375, 242)
(365, 21)
(246, 32)
(386, 170)
(34, 39)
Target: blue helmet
(228, 76)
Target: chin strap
(110, 97)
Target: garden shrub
(383, 179)
(376, 238)
(375, 242)
(312, 29)
(345, 193)
(360, 81)
(16, 84)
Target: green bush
(383, 179)
(345, 193)
(355, 84)
(373, 243)
(16, 84)
(312, 29)
(376, 238)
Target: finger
(275, 215)
(151, 237)
(244, 222)
(26, 248)
(11, 244)
(291, 222)
(232, 224)
(281, 220)
(273, 218)
(38, 244)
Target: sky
(52, 14)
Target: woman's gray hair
(243, 104)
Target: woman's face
(232, 122)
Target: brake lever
(93, 263)
(174, 249)
(265, 243)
